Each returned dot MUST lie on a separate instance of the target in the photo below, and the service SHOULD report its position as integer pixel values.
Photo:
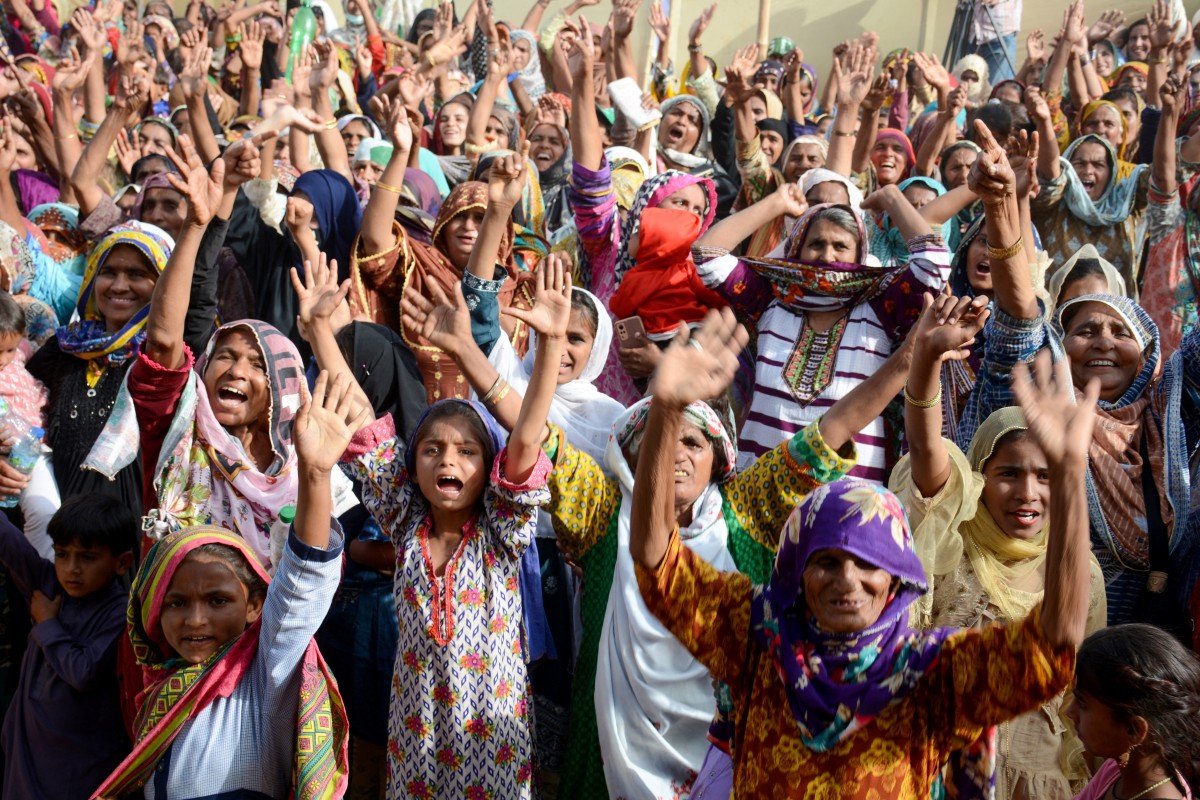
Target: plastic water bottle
(279, 533)
(25, 451)
(304, 30)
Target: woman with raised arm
(835, 692)
(980, 522)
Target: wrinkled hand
(640, 359)
(397, 124)
(412, 87)
(991, 177)
(1022, 157)
(446, 50)
(857, 73)
(701, 364)
(1036, 105)
(72, 72)
(931, 68)
(791, 200)
(42, 608)
(948, 326)
(443, 322)
(325, 425)
(1060, 423)
(203, 191)
(551, 312)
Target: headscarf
(463, 99)
(1118, 59)
(198, 452)
(170, 34)
(553, 181)
(59, 266)
(770, 67)
(1116, 501)
(815, 177)
(372, 128)
(629, 169)
(650, 194)
(887, 242)
(337, 212)
(773, 104)
(171, 130)
(976, 64)
(996, 89)
(156, 181)
(820, 142)
(387, 372)
(375, 151)
(424, 190)
(1116, 284)
(698, 156)
(1129, 66)
(1095, 105)
(896, 135)
(579, 408)
(1116, 202)
(810, 72)
(34, 189)
(531, 76)
(177, 691)
(837, 683)
(88, 338)
(641, 668)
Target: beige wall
(816, 27)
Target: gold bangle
(330, 125)
(387, 187)
(1159, 60)
(930, 403)
(1006, 252)
(494, 391)
(846, 133)
(429, 57)
(503, 393)
(66, 138)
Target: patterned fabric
(993, 21)
(459, 719)
(88, 338)
(203, 475)
(176, 692)
(653, 191)
(587, 507)
(979, 679)
(25, 394)
(1169, 290)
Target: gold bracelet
(429, 57)
(66, 138)
(387, 187)
(1159, 60)
(330, 125)
(930, 403)
(1006, 252)
(494, 391)
(496, 400)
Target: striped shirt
(874, 329)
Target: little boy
(64, 733)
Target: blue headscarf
(337, 211)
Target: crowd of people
(446, 407)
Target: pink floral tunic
(459, 724)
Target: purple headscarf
(155, 181)
(34, 189)
(837, 683)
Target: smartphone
(631, 332)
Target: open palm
(1061, 423)
(700, 364)
(551, 312)
(327, 423)
(444, 323)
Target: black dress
(75, 416)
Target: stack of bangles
(387, 187)
(930, 403)
(497, 393)
(1001, 253)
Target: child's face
(450, 467)
(1102, 734)
(84, 570)
(580, 338)
(8, 347)
(205, 607)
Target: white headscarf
(531, 76)
(654, 700)
(584, 412)
(982, 89)
(819, 175)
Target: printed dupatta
(175, 692)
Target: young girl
(459, 721)
(238, 701)
(1137, 693)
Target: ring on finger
(694, 344)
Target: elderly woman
(836, 694)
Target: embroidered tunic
(459, 724)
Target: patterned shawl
(60, 264)
(176, 691)
(531, 76)
(1115, 205)
(650, 194)
(837, 683)
(203, 475)
(89, 338)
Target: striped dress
(792, 360)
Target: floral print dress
(459, 720)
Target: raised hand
(299, 215)
(91, 32)
(412, 87)
(506, 181)
(129, 150)
(8, 147)
(302, 75)
(931, 67)
(659, 22)
(325, 425)
(71, 72)
(203, 191)
(321, 298)
(363, 58)
(700, 364)
(325, 69)
(443, 322)
(251, 47)
(1171, 93)
(1058, 420)
(443, 51)
(243, 159)
(397, 122)
(1035, 46)
(1036, 105)
(551, 312)
(948, 326)
(1106, 26)
(740, 73)
(1162, 30)
(700, 25)
(133, 92)
(1023, 159)
(579, 49)
(130, 46)
(190, 41)
(1072, 28)
(623, 14)
(880, 89)
(992, 177)
(857, 74)
(192, 80)
(791, 200)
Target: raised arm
(868, 124)
(132, 93)
(499, 64)
(533, 19)
(1162, 167)
(1162, 40)
(323, 429)
(70, 76)
(623, 16)
(193, 82)
(853, 74)
(506, 182)
(1048, 165)
(947, 327)
(525, 442)
(943, 132)
(587, 143)
(172, 292)
(686, 373)
(891, 201)
(92, 38)
(251, 51)
(698, 64)
(1062, 426)
(378, 233)
(993, 179)
(329, 142)
(734, 229)
(1071, 30)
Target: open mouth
(675, 134)
(229, 398)
(848, 606)
(449, 486)
(1101, 363)
(197, 642)
(1026, 518)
